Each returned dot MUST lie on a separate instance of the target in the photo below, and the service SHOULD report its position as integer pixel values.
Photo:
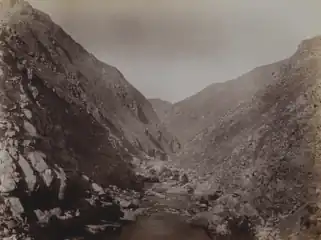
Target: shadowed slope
(70, 126)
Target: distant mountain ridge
(190, 116)
(161, 107)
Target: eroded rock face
(46, 146)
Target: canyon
(84, 155)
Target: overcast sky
(172, 49)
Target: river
(162, 226)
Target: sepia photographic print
(160, 120)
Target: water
(162, 226)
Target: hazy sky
(174, 48)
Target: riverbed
(162, 226)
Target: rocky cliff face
(45, 46)
(70, 127)
(262, 159)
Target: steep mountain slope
(264, 157)
(47, 47)
(190, 116)
(70, 127)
